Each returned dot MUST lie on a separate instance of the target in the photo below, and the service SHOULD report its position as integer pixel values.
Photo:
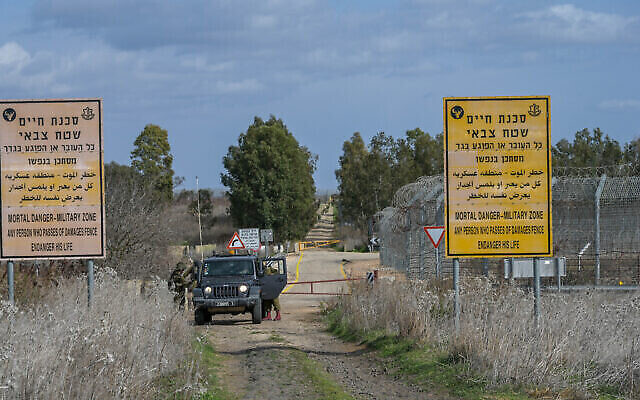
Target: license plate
(224, 303)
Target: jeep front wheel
(256, 313)
(202, 316)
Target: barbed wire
(627, 169)
(574, 206)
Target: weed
(276, 338)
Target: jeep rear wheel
(256, 313)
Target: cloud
(13, 56)
(570, 23)
(620, 104)
(232, 47)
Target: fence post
(423, 242)
(408, 241)
(597, 236)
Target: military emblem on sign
(9, 114)
(87, 113)
(457, 112)
(534, 110)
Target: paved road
(317, 265)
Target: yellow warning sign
(498, 177)
(51, 179)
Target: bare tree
(139, 228)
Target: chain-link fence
(596, 226)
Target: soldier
(181, 279)
(275, 303)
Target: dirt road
(295, 358)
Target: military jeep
(236, 284)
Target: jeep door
(272, 285)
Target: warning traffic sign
(235, 243)
(435, 234)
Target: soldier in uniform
(181, 279)
(275, 303)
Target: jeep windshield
(227, 267)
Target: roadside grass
(210, 362)
(206, 362)
(323, 385)
(425, 366)
(585, 346)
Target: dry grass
(586, 341)
(59, 348)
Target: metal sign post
(10, 282)
(90, 282)
(536, 291)
(456, 294)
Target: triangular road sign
(235, 243)
(435, 233)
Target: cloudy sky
(202, 69)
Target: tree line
(269, 180)
(369, 175)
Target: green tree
(368, 177)
(380, 173)
(589, 149)
(152, 158)
(418, 154)
(351, 175)
(270, 180)
(632, 154)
